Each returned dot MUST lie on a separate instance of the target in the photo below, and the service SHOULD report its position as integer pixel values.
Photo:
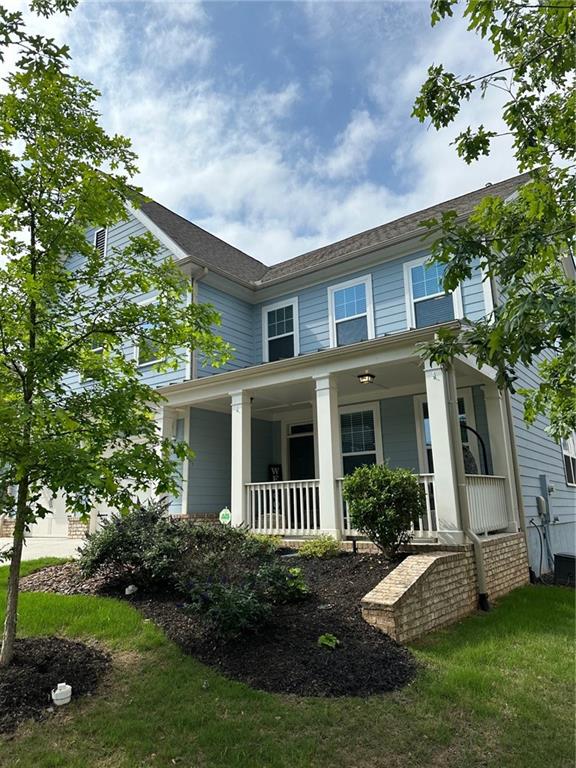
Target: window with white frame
(280, 331)
(569, 454)
(351, 313)
(100, 241)
(147, 351)
(360, 434)
(427, 303)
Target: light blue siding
(399, 438)
(236, 328)
(539, 455)
(209, 473)
(389, 304)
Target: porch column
(241, 461)
(329, 455)
(500, 448)
(442, 409)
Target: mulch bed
(285, 657)
(39, 664)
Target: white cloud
(234, 162)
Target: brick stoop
(436, 588)
(7, 527)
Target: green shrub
(382, 504)
(323, 546)
(277, 584)
(266, 541)
(235, 610)
(144, 545)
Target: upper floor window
(351, 314)
(569, 453)
(101, 240)
(427, 303)
(146, 351)
(280, 330)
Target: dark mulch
(285, 657)
(39, 664)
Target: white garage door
(54, 524)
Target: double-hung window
(427, 303)
(360, 432)
(280, 330)
(351, 313)
(569, 454)
(147, 351)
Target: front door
(301, 452)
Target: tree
(525, 245)
(68, 311)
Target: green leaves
(524, 245)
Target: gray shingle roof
(206, 249)
(214, 253)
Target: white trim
(365, 280)
(487, 293)
(105, 230)
(570, 451)
(293, 302)
(373, 406)
(409, 300)
(136, 348)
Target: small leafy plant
(323, 546)
(328, 640)
(383, 502)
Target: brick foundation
(7, 527)
(436, 588)
(76, 528)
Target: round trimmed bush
(383, 503)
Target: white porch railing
(290, 508)
(487, 503)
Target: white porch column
(440, 411)
(329, 455)
(500, 449)
(241, 461)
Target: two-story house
(326, 376)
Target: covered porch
(275, 442)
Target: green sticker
(225, 516)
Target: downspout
(195, 278)
(458, 463)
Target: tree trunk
(9, 635)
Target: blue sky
(281, 126)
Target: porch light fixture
(366, 378)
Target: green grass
(496, 690)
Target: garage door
(55, 524)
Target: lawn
(495, 690)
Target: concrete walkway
(49, 546)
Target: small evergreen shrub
(277, 584)
(383, 502)
(323, 546)
(235, 610)
(144, 545)
(266, 541)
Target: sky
(282, 126)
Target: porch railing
(487, 503)
(290, 508)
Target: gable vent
(100, 241)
